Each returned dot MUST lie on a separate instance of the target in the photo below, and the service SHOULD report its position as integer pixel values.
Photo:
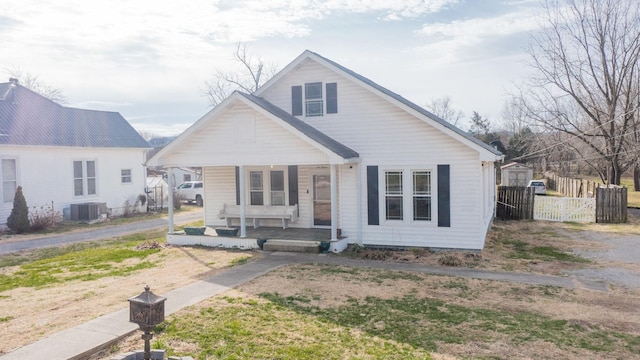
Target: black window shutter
(296, 100)
(237, 185)
(444, 200)
(293, 185)
(332, 98)
(373, 209)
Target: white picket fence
(564, 209)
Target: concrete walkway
(85, 339)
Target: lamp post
(146, 310)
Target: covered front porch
(261, 167)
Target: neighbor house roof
(308, 130)
(27, 118)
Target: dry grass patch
(336, 312)
(64, 304)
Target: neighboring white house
(181, 175)
(350, 154)
(83, 162)
(515, 174)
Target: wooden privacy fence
(611, 204)
(564, 209)
(520, 203)
(571, 187)
(514, 203)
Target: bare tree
(33, 83)
(248, 75)
(442, 108)
(586, 61)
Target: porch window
(313, 99)
(277, 187)
(125, 176)
(9, 179)
(256, 188)
(422, 195)
(393, 195)
(84, 177)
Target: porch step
(292, 246)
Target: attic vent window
(314, 105)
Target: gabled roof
(308, 130)
(307, 54)
(27, 118)
(310, 134)
(515, 164)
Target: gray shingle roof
(27, 118)
(410, 104)
(313, 133)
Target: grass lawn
(314, 311)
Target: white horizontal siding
(219, 189)
(225, 142)
(46, 176)
(387, 136)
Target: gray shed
(515, 174)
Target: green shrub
(18, 221)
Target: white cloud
(450, 40)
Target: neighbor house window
(277, 187)
(9, 179)
(186, 177)
(314, 104)
(422, 195)
(256, 187)
(393, 195)
(84, 178)
(125, 176)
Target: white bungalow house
(320, 146)
(84, 163)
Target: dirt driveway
(616, 254)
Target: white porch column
(170, 202)
(243, 219)
(334, 203)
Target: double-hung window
(408, 191)
(276, 178)
(9, 179)
(314, 99)
(422, 195)
(314, 105)
(84, 178)
(393, 195)
(256, 188)
(125, 176)
(268, 187)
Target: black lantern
(146, 310)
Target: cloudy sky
(149, 59)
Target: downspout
(359, 199)
(170, 202)
(243, 218)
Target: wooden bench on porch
(257, 212)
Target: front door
(321, 200)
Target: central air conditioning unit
(87, 211)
